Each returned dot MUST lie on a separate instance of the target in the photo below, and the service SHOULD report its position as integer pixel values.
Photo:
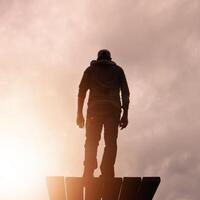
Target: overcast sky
(45, 47)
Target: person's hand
(123, 122)
(80, 120)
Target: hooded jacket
(105, 81)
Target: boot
(88, 173)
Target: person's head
(104, 54)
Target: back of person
(104, 85)
(105, 81)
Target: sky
(45, 47)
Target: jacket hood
(102, 62)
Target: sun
(20, 166)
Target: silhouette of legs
(93, 136)
(94, 125)
(110, 136)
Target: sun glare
(25, 160)
(20, 166)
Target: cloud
(46, 45)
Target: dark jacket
(105, 80)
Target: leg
(93, 136)
(110, 135)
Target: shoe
(107, 177)
(88, 173)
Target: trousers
(94, 124)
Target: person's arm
(83, 87)
(125, 94)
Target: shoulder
(93, 62)
(88, 69)
(119, 69)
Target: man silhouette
(109, 94)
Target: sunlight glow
(27, 150)
(20, 166)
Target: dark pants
(94, 125)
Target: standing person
(108, 95)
